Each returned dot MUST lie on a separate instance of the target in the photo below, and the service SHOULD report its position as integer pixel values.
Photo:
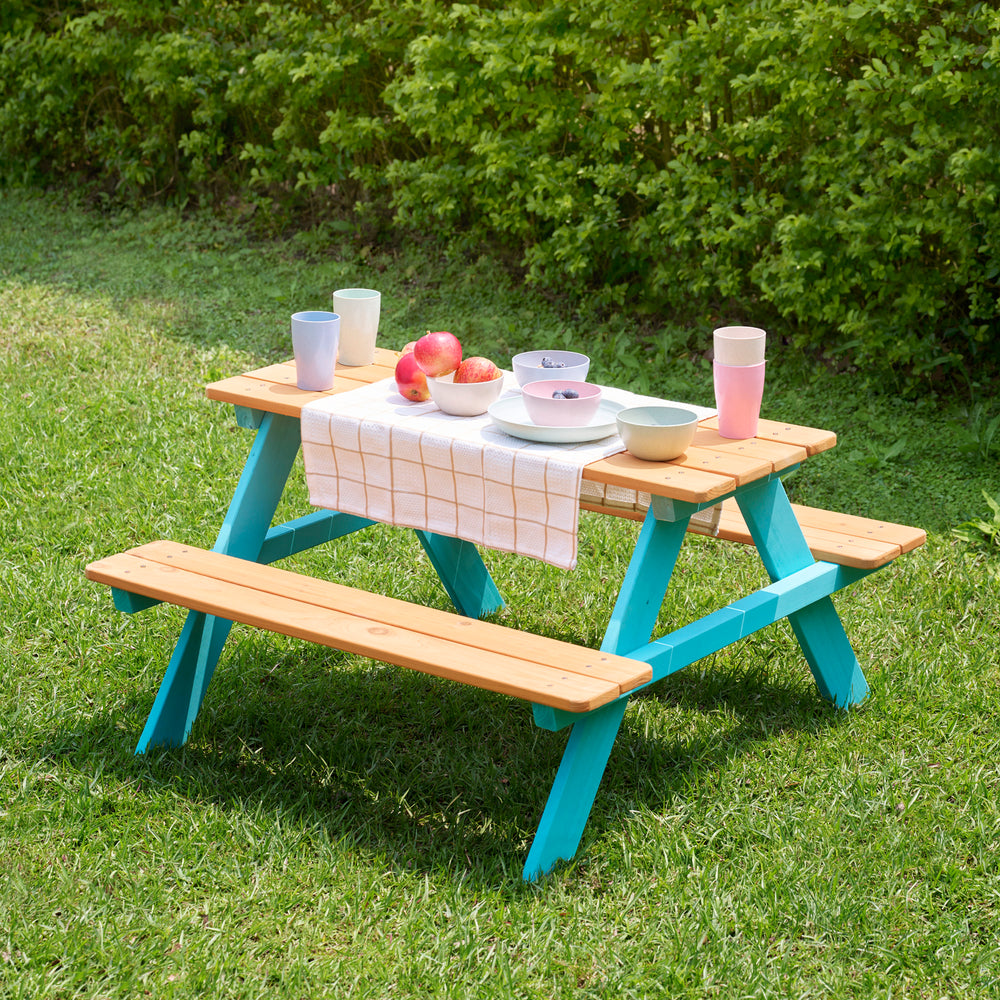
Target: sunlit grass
(339, 828)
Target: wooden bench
(844, 539)
(482, 654)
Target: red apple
(410, 380)
(408, 347)
(476, 370)
(438, 353)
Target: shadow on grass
(421, 773)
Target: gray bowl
(528, 366)
(657, 433)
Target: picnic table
(724, 488)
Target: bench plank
(398, 613)
(845, 539)
(535, 668)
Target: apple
(410, 380)
(408, 347)
(476, 370)
(438, 353)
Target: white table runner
(370, 452)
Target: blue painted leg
(183, 686)
(463, 574)
(592, 737)
(818, 628)
(645, 584)
(242, 534)
(572, 796)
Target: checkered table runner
(371, 453)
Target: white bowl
(657, 433)
(464, 399)
(528, 366)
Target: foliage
(983, 529)
(832, 165)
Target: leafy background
(829, 165)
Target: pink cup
(738, 393)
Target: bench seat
(540, 670)
(844, 539)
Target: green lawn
(336, 828)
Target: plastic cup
(359, 310)
(739, 390)
(315, 336)
(739, 345)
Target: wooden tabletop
(712, 467)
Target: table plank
(712, 467)
(662, 478)
(780, 454)
(813, 439)
(273, 397)
(283, 372)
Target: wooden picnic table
(809, 554)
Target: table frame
(799, 591)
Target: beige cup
(739, 345)
(358, 309)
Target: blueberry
(549, 363)
(570, 394)
(558, 395)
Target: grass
(335, 828)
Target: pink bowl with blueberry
(561, 402)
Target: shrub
(829, 163)
(833, 165)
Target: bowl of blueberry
(561, 402)
(532, 366)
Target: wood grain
(845, 539)
(481, 654)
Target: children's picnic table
(809, 554)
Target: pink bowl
(548, 412)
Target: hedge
(832, 164)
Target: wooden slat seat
(482, 654)
(845, 539)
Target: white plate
(510, 415)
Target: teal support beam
(242, 534)
(817, 626)
(462, 573)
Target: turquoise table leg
(242, 534)
(645, 583)
(593, 736)
(818, 628)
(575, 787)
(463, 574)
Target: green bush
(834, 165)
(194, 101)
